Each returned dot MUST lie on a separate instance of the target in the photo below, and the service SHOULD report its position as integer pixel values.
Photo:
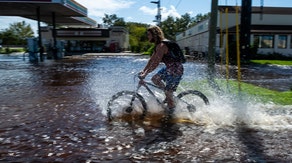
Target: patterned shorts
(171, 81)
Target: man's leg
(156, 79)
(170, 108)
(170, 99)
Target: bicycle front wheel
(193, 99)
(127, 105)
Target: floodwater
(54, 111)
(273, 77)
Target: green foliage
(109, 19)
(184, 22)
(149, 51)
(273, 62)
(8, 50)
(120, 22)
(137, 31)
(16, 34)
(8, 38)
(172, 26)
(272, 56)
(263, 94)
(138, 38)
(113, 20)
(169, 28)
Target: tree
(138, 37)
(169, 28)
(109, 19)
(184, 22)
(137, 31)
(113, 20)
(120, 22)
(8, 38)
(17, 33)
(172, 26)
(199, 18)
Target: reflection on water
(54, 112)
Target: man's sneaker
(170, 111)
(166, 120)
(169, 115)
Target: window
(282, 41)
(264, 41)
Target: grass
(273, 62)
(262, 94)
(9, 50)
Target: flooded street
(55, 111)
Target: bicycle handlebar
(144, 83)
(141, 78)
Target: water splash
(237, 111)
(225, 110)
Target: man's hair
(157, 34)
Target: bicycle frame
(133, 95)
(145, 84)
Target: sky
(142, 11)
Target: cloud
(97, 8)
(148, 11)
(129, 18)
(164, 12)
(171, 12)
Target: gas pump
(32, 46)
(61, 48)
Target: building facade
(87, 40)
(271, 31)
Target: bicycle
(132, 105)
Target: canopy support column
(54, 34)
(40, 44)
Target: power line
(168, 2)
(177, 4)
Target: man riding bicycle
(170, 75)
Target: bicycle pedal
(129, 109)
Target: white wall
(197, 37)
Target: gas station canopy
(66, 12)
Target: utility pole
(212, 39)
(158, 16)
(245, 27)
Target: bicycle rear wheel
(193, 99)
(127, 105)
